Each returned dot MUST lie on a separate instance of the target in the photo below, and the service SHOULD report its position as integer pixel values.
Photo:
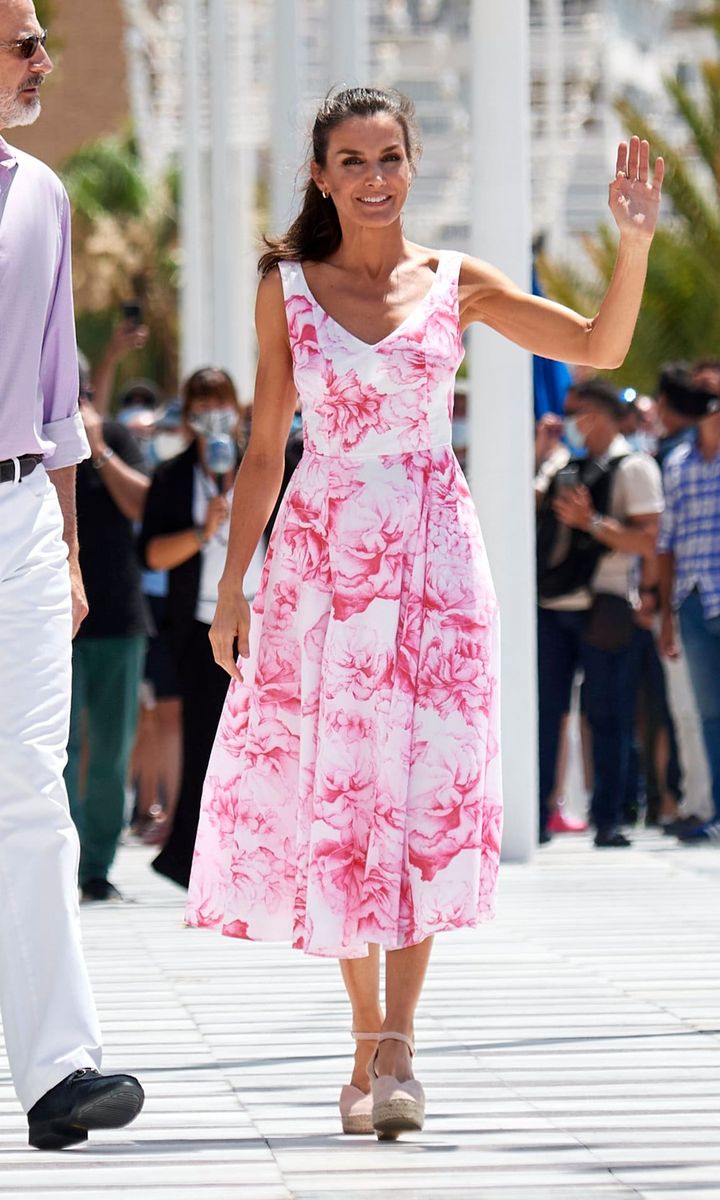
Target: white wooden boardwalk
(570, 1051)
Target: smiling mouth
(373, 199)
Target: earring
(324, 195)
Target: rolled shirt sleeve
(59, 383)
(666, 535)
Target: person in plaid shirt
(689, 561)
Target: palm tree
(680, 316)
(125, 248)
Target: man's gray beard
(14, 112)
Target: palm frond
(700, 124)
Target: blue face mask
(573, 436)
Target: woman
(185, 533)
(353, 795)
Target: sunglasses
(28, 46)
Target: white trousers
(697, 790)
(48, 1013)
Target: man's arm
(669, 645)
(64, 481)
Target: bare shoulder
(270, 287)
(270, 302)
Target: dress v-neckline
(393, 332)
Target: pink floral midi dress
(353, 794)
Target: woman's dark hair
(208, 383)
(315, 233)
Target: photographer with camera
(595, 516)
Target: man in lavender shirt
(48, 1014)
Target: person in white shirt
(597, 516)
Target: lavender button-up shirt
(38, 355)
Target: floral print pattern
(353, 794)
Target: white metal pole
(501, 413)
(556, 133)
(222, 167)
(194, 318)
(349, 43)
(287, 112)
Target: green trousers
(106, 681)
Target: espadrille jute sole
(397, 1116)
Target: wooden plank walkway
(569, 1050)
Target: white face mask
(573, 436)
(214, 422)
(168, 443)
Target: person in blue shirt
(689, 563)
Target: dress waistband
(353, 456)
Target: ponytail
(314, 234)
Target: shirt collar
(618, 447)
(8, 157)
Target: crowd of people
(628, 499)
(628, 522)
(153, 507)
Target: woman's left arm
(550, 329)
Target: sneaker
(563, 822)
(708, 832)
(100, 889)
(682, 825)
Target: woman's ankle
(367, 1022)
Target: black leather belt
(12, 470)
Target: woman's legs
(361, 977)
(404, 977)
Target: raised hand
(634, 194)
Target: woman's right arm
(261, 471)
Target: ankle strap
(364, 1037)
(398, 1037)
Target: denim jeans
(608, 702)
(701, 642)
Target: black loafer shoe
(611, 837)
(85, 1100)
(100, 890)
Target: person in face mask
(674, 426)
(598, 513)
(185, 532)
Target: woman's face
(367, 172)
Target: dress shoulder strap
(293, 280)
(449, 265)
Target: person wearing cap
(109, 651)
(595, 516)
(49, 1020)
(689, 561)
